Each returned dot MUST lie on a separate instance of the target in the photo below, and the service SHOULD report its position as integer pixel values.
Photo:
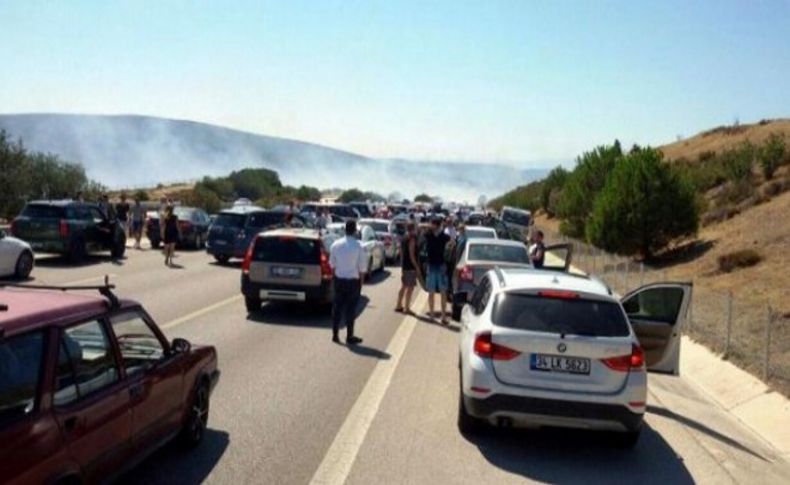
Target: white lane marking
(197, 313)
(342, 453)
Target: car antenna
(106, 291)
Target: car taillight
(466, 274)
(64, 228)
(561, 294)
(487, 349)
(326, 269)
(623, 363)
(245, 265)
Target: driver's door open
(657, 313)
(558, 257)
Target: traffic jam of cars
(90, 384)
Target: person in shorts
(436, 279)
(410, 270)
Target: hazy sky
(520, 81)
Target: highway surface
(293, 408)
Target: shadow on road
(299, 314)
(171, 464)
(564, 456)
(450, 326)
(366, 351)
(702, 429)
(378, 277)
(55, 261)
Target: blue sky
(526, 82)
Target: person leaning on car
(349, 264)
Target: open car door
(657, 313)
(558, 257)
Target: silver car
(385, 231)
(546, 348)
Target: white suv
(545, 348)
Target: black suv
(70, 228)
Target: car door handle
(136, 391)
(70, 424)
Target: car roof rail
(104, 290)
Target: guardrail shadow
(170, 464)
(565, 456)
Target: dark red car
(89, 386)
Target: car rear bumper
(553, 412)
(280, 292)
(49, 246)
(229, 250)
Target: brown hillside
(724, 138)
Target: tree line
(28, 175)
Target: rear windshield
(20, 369)
(363, 209)
(475, 233)
(234, 221)
(513, 217)
(289, 250)
(342, 211)
(266, 219)
(379, 226)
(43, 211)
(554, 315)
(182, 213)
(496, 252)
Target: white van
(517, 221)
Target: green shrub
(743, 258)
(772, 154)
(551, 188)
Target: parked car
(70, 228)
(374, 248)
(545, 348)
(193, 226)
(385, 232)
(16, 257)
(480, 232)
(518, 222)
(233, 230)
(362, 208)
(287, 265)
(89, 386)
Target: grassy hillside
(722, 138)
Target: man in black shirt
(436, 279)
(122, 213)
(537, 252)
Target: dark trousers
(345, 304)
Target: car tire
(221, 258)
(24, 265)
(468, 425)
(198, 242)
(119, 247)
(626, 440)
(252, 304)
(197, 417)
(77, 250)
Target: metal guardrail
(748, 334)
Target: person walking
(410, 270)
(138, 218)
(537, 252)
(170, 224)
(436, 279)
(122, 213)
(349, 263)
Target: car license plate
(559, 363)
(286, 272)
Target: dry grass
(723, 138)
(743, 258)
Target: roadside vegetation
(26, 175)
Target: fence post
(729, 324)
(766, 357)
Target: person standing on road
(436, 279)
(138, 218)
(349, 263)
(537, 252)
(170, 224)
(410, 270)
(323, 219)
(122, 212)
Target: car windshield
(515, 217)
(497, 252)
(342, 211)
(287, 249)
(233, 221)
(479, 234)
(20, 369)
(183, 214)
(379, 226)
(560, 316)
(43, 211)
(265, 219)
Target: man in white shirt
(349, 263)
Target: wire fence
(748, 334)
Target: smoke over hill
(132, 151)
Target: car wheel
(221, 258)
(626, 440)
(252, 304)
(467, 424)
(77, 250)
(24, 265)
(197, 417)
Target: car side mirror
(180, 346)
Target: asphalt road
(292, 406)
